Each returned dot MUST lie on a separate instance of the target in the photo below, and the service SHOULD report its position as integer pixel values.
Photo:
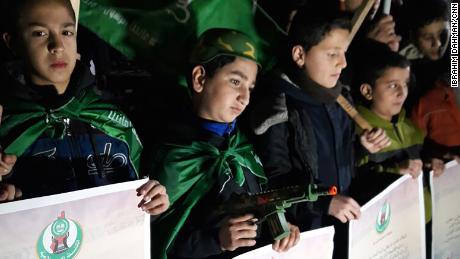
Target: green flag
(163, 32)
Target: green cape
(24, 122)
(189, 172)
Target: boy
(205, 159)
(437, 113)
(64, 136)
(429, 39)
(383, 84)
(428, 29)
(302, 134)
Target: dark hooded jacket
(73, 153)
(302, 135)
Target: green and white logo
(383, 218)
(60, 240)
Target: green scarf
(24, 122)
(188, 173)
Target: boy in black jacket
(65, 137)
(302, 134)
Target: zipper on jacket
(71, 144)
(97, 159)
(396, 129)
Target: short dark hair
(420, 13)
(374, 59)
(14, 9)
(310, 25)
(210, 67)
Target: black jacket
(300, 139)
(84, 157)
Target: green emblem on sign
(61, 239)
(383, 218)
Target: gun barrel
(270, 205)
(324, 190)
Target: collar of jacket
(219, 128)
(18, 85)
(183, 127)
(379, 122)
(306, 90)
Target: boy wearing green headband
(64, 136)
(205, 159)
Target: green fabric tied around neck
(27, 121)
(188, 173)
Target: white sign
(102, 222)
(318, 243)
(392, 224)
(445, 197)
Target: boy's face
(431, 39)
(390, 92)
(224, 96)
(324, 62)
(47, 42)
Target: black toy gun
(270, 206)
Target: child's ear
(198, 78)
(298, 55)
(366, 91)
(11, 43)
(7, 39)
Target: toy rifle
(270, 206)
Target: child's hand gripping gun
(270, 206)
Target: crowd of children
(58, 134)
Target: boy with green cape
(204, 159)
(57, 133)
